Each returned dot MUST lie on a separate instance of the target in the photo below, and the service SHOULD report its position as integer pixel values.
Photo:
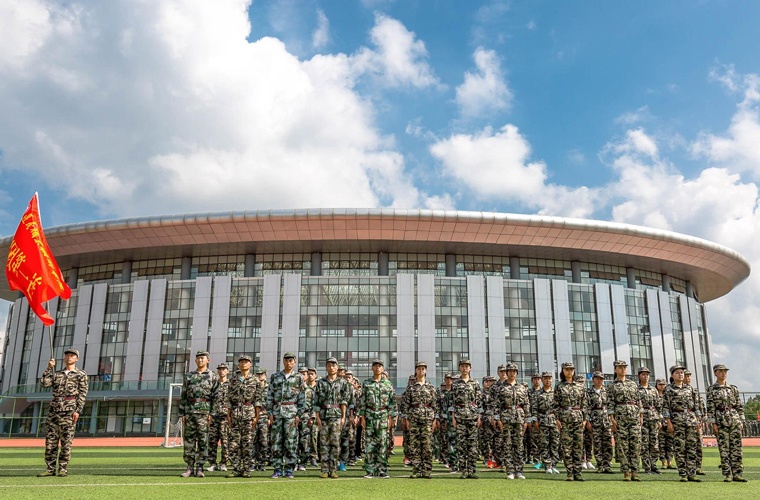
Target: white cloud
(496, 165)
(321, 36)
(715, 204)
(633, 117)
(484, 91)
(168, 108)
(738, 149)
(399, 59)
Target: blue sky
(637, 112)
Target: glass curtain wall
(113, 347)
(639, 333)
(244, 330)
(451, 333)
(520, 327)
(584, 328)
(175, 359)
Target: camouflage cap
(448, 375)
(489, 378)
(349, 372)
(687, 371)
(261, 370)
(546, 374)
(71, 351)
(302, 369)
(341, 366)
(221, 366)
(675, 367)
(644, 369)
(535, 375)
(289, 355)
(719, 367)
(245, 357)
(311, 369)
(619, 362)
(579, 378)
(331, 360)
(378, 361)
(420, 363)
(197, 354)
(598, 374)
(465, 362)
(568, 364)
(512, 366)
(660, 381)
(502, 368)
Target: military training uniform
(285, 403)
(329, 398)
(466, 409)
(377, 406)
(419, 407)
(601, 427)
(542, 409)
(679, 406)
(197, 403)
(570, 406)
(625, 406)
(69, 393)
(651, 406)
(243, 398)
(219, 430)
(726, 411)
(511, 407)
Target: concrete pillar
(514, 268)
(126, 272)
(689, 290)
(576, 270)
(665, 283)
(249, 269)
(630, 274)
(451, 265)
(73, 278)
(187, 264)
(316, 264)
(383, 264)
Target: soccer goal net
(173, 432)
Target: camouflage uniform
(197, 405)
(260, 453)
(285, 403)
(467, 408)
(448, 432)
(725, 409)
(418, 405)
(511, 407)
(220, 429)
(700, 413)
(304, 427)
(650, 427)
(532, 440)
(601, 428)
(487, 432)
(664, 438)
(69, 393)
(329, 396)
(377, 405)
(625, 406)
(243, 397)
(346, 451)
(570, 406)
(679, 406)
(542, 408)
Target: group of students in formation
(293, 419)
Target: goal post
(173, 431)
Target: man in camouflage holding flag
(197, 403)
(69, 393)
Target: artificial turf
(146, 473)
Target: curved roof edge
(482, 229)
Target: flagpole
(50, 333)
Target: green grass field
(145, 473)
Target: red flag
(31, 267)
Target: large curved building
(357, 284)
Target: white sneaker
(554, 470)
(223, 468)
(520, 475)
(510, 476)
(584, 465)
(590, 466)
(549, 470)
(211, 468)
